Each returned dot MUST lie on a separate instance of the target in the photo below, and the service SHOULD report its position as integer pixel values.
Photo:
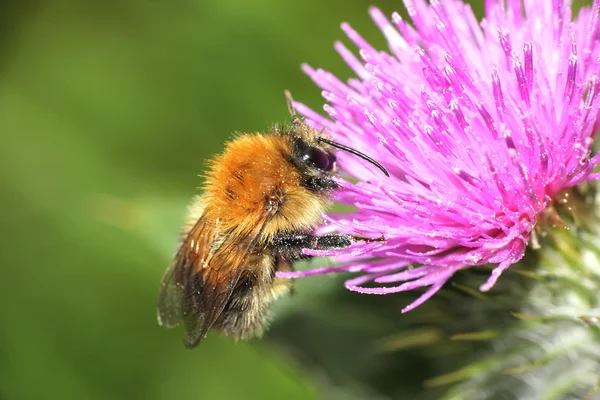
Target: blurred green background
(107, 112)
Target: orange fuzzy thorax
(253, 170)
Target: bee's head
(315, 163)
(313, 154)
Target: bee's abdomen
(247, 311)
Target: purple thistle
(481, 125)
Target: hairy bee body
(262, 199)
(256, 169)
(252, 174)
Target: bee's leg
(290, 245)
(283, 285)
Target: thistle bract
(481, 125)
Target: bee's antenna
(355, 152)
(290, 103)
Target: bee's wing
(193, 250)
(195, 289)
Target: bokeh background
(107, 113)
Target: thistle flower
(481, 126)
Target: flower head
(481, 125)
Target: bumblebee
(262, 199)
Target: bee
(263, 198)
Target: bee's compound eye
(319, 159)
